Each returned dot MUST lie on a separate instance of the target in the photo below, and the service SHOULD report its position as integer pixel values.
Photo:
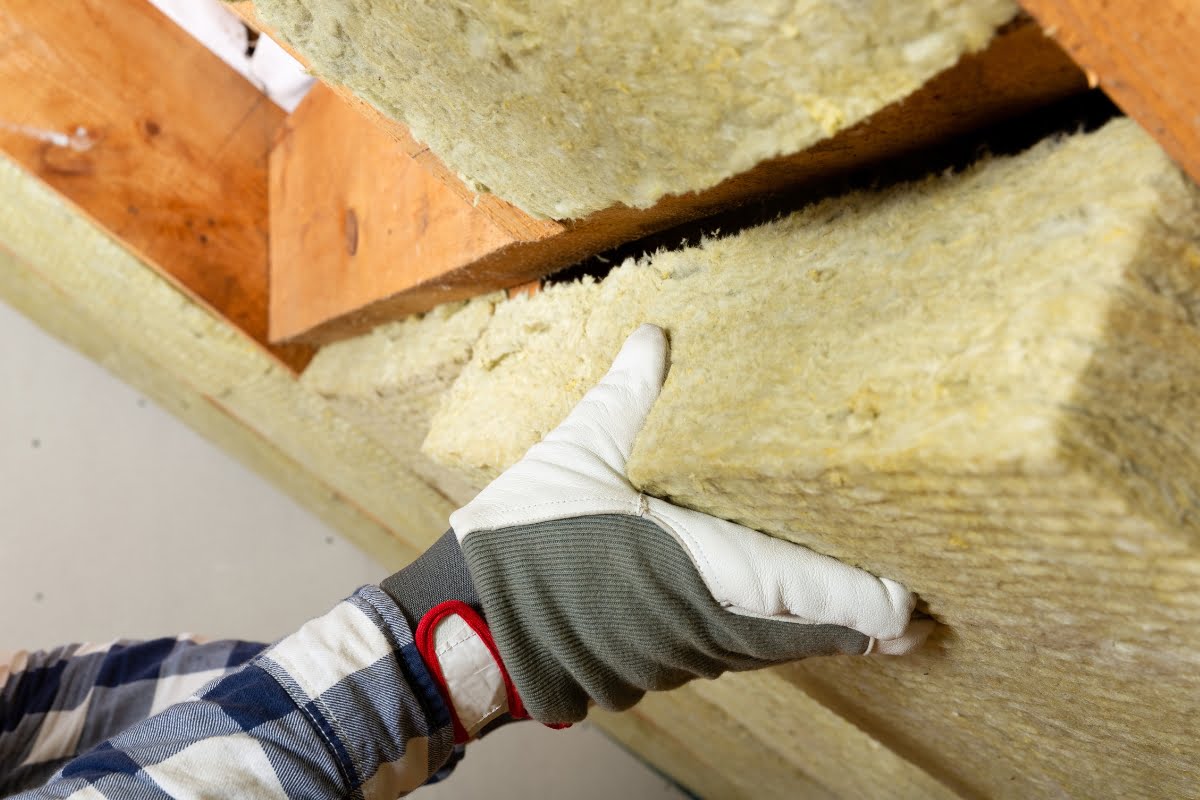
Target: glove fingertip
(912, 639)
(644, 354)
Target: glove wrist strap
(457, 645)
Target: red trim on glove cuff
(426, 646)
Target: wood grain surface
(506, 216)
(1144, 55)
(152, 136)
(354, 218)
(74, 279)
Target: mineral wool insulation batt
(1010, 321)
(983, 384)
(391, 381)
(564, 108)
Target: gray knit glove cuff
(440, 574)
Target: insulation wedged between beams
(564, 109)
(897, 335)
(985, 385)
(390, 382)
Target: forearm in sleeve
(55, 704)
(343, 707)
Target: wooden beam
(1143, 54)
(519, 225)
(73, 278)
(716, 739)
(822, 745)
(153, 137)
(354, 218)
(323, 293)
(709, 752)
(698, 770)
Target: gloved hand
(594, 592)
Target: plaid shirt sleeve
(342, 708)
(57, 704)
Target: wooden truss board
(152, 136)
(1142, 53)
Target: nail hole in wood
(351, 231)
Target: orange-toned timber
(508, 217)
(1144, 55)
(354, 219)
(153, 137)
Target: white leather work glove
(594, 592)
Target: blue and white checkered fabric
(342, 708)
(56, 704)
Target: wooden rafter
(152, 302)
(354, 218)
(519, 225)
(1142, 53)
(151, 135)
